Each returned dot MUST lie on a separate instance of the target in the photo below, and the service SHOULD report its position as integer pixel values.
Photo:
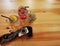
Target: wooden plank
(46, 28)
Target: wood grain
(46, 28)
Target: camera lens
(23, 31)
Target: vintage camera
(27, 30)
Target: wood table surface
(46, 27)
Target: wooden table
(46, 28)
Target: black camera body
(27, 30)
